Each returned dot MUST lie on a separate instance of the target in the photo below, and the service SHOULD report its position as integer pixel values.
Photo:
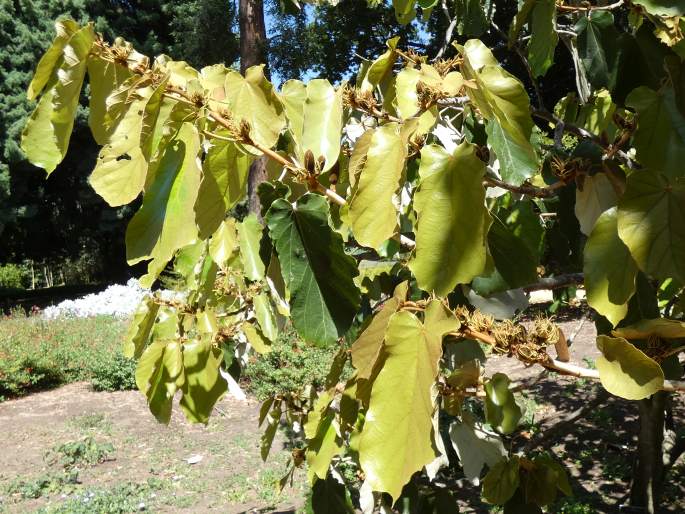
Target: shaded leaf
(651, 222)
(319, 276)
(501, 410)
(609, 270)
(203, 385)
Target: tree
(39, 220)
(402, 220)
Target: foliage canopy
(403, 215)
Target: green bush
(14, 276)
(36, 353)
(113, 372)
(289, 367)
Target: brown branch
(528, 190)
(565, 280)
(587, 8)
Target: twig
(528, 190)
(567, 279)
(588, 8)
(448, 32)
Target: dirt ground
(152, 460)
(230, 477)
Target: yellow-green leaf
(121, 168)
(203, 385)
(367, 347)
(626, 371)
(661, 327)
(401, 402)
(47, 133)
(166, 220)
(159, 372)
(315, 114)
(252, 98)
(452, 221)
(224, 183)
(249, 235)
(651, 222)
(141, 327)
(52, 57)
(609, 269)
(104, 78)
(498, 95)
(372, 213)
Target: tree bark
(649, 470)
(252, 53)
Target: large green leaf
(45, 138)
(315, 114)
(543, 41)
(323, 447)
(598, 48)
(651, 222)
(224, 183)
(626, 371)
(610, 271)
(319, 276)
(660, 327)
(166, 220)
(249, 235)
(660, 135)
(158, 376)
(516, 163)
(372, 213)
(141, 327)
(203, 385)
(498, 95)
(515, 264)
(52, 58)
(501, 482)
(367, 348)
(452, 218)
(121, 168)
(252, 98)
(596, 196)
(401, 402)
(405, 10)
(104, 78)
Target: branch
(448, 32)
(580, 131)
(528, 190)
(565, 280)
(588, 8)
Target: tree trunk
(253, 52)
(649, 470)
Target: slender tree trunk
(649, 471)
(253, 52)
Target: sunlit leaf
(413, 352)
(203, 385)
(626, 371)
(452, 219)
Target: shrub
(14, 276)
(113, 372)
(36, 353)
(290, 366)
